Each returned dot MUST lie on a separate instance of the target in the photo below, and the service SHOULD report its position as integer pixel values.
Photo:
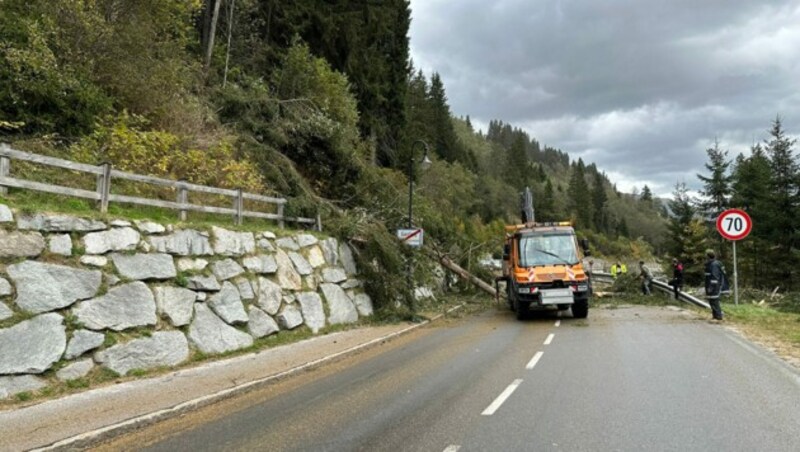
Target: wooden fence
(105, 174)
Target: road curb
(108, 432)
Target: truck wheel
(522, 310)
(580, 309)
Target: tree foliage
(321, 104)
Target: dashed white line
(452, 448)
(558, 323)
(502, 398)
(549, 339)
(534, 360)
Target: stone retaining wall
(70, 286)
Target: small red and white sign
(734, 224)
(411, 237)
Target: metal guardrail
(662, 286)
(102, 194)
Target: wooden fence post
(238, 205)
(281, 223)
(182, 198)
(104, 185)
(5, 169)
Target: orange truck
(543, 269)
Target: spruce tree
(716, 186)
(517, 165)
(599, 199)
(545, 206)
(751, 192)
(784, 199)
(647, 195)
(580, 204)
(683, 211)
(445, 142)
(716, 191)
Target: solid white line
(452, 448)
(558, 323)
(502, 398)
(155, 416)
(534, 360)
(549, 339)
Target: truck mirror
(585, 246)
(506, 252)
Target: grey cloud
(621, 82)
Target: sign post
(734, 225)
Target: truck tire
(580, 309)
(522, 311)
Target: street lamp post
(425, 161)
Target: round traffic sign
(734, 224)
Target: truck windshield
(547, 249)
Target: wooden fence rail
(105, 174)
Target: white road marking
(502, 398)
(452, 448)
(549, 339)
(558, 323)
(534, 360)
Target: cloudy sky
(639, 87)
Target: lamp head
(425, 162)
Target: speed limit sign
(734, 224)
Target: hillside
(315, 101)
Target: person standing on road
(677, 276)
(715, 281)
(647, 277)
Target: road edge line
(95, 436)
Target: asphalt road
(625, 379)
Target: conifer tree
(716, 190)
(784, 202)
(716, 186)
(683, 212)
(647, 195)
(545, 206)
(751, 192)
(517, 164)
(445, 142)
(580, 204)
(599, 199)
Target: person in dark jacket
(715, 281)
(677, 276)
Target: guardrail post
(104, 185)
(238, 205)
(319, 223)
(182, 198)
(5, 169)
(281, 223)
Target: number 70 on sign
(734, 224)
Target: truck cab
(543, 269)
